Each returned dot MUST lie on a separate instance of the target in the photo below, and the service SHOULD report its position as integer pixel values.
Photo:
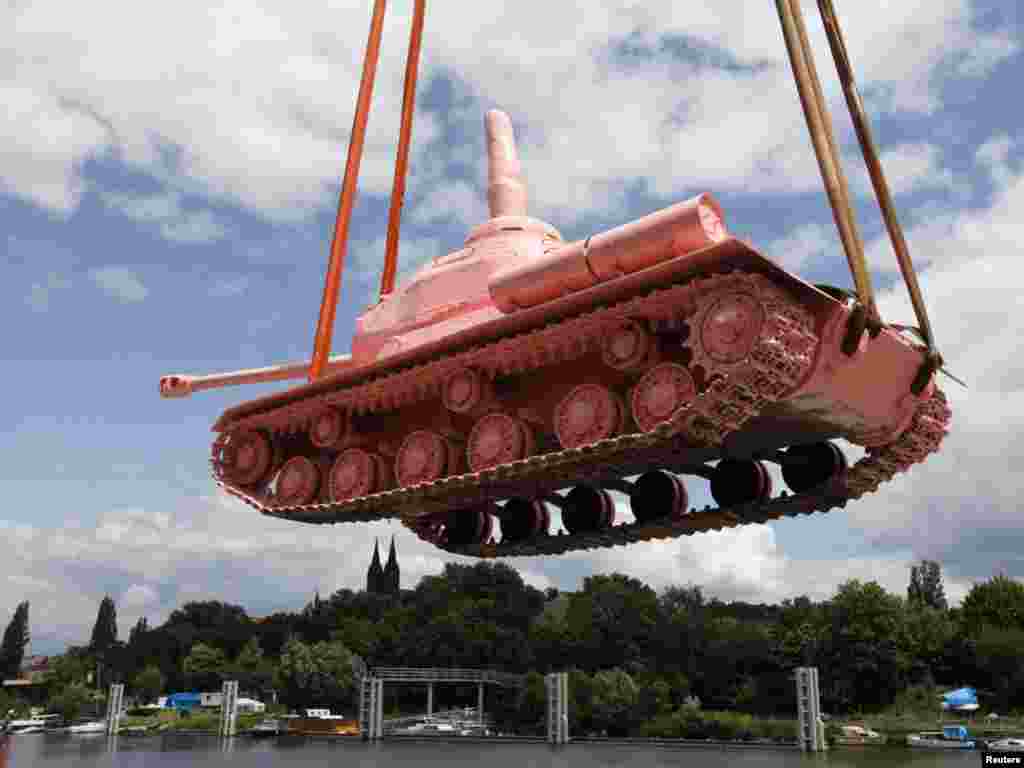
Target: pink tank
(521, 371)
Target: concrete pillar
(808, 710)
(480, 701)
(430, 698)
(114, 706)
(229, 708)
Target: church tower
(392, 578)
(375, 575)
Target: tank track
(782, 358)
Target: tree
(926, 586)
(71, 701)
(16, 637)
(104, 631)
(148, 684)
(998, 602)
(615, 700)
(319, 674)
(205, 666)
(135, 634)
(251, 669)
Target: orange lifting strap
(329, 305)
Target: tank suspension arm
(870, 152)
(819, 125)
(181, 385)
(329, 305)
(387, 280)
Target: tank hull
(516, 433)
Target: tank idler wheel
(464, 390)
(727, 326)
(661, 392)
(522, 519)
(588, 414)
(736, 481)
(357, 473)
(298, 482)
(627, 347)
(498, 438)
(329, 428)
(244, 458)
(586, 509)
(658, 495)
(467, 527)
(807, 466)
(423, 457)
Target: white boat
(96, 726)
(1011, 744)
(950, 737)
(36, 724)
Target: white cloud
(119, 283)
(247, 111)
(175, 222)
(911, 168)
(807, 243)
(39, 294)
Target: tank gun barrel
(506, 193)
(182, 385)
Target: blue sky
(167, 193)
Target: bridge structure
(371, 690)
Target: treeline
(636, 656)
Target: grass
(198, 721)
(698, 724)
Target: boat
(269, 727)
(37, 724)
(93, 726)
(1010, 744)
(950, 737)
(320, 722)
(858, 734)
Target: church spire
(392, 578)
(375, 573)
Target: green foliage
(251, 669)
(205, 667)
(104, 631)
(615, 701)
(689, 723)
(148, 684)
(16, 637)
(998, 602)
(925, 588)
(316, 675)
(71, 701)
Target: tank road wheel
(657, 495)
(627, 347)
(243, 458)
(740, 482)
(589, 413)
(298, 482)
(807, 466)
(464, 390)
(468, 527)
(498, 438)
(356, 473)
(328, 428)
(726, 327)
(661, 392)
(423, 457)
(522, 519)
(587, 509)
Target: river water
(182, 749)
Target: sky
(168, 187)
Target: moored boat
(950, 737)
(1009, 744)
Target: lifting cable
(328, 307)
(870, 152)
(820, 127)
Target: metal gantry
(371, 689)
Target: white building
(251, 705)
